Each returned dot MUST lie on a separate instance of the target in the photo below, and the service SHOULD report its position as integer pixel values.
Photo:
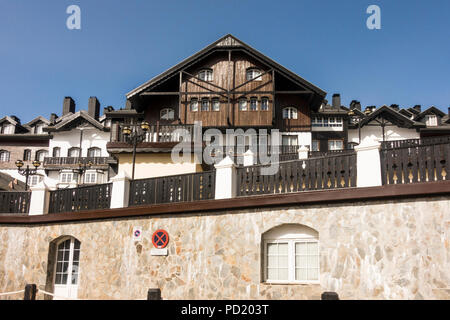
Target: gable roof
(71, 119)
(228, 41)
(392, 115)
(35, 120)
(430, 110)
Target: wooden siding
(303, 121)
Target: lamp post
(27, 172)
(134, 136)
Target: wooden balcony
(75, 162)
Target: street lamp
(133, 136)
(27, 172)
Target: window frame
(94, 149)
(204, 102)
(240, 105)
(194, 101)
(431, 120)
(255, 100)
(291, 114)
(56, 152)
(168, 112)
(334, 140)
(7, 157)
(38, 154)
(90, 174)
(73, 149)
(312, 144)
(213, 100)
(266, 105)
(251, 71)
(209, 74)
(291, 261)
(65, 173)
(27, 155)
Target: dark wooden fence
(313, 154)
(185, 187)
(15, 202)
(419, 161)
(336, 171)
(414, 142)
(81, 198)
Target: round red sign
(160, 239)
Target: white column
(303, 152)
(225, 179)
(368, 163)
(40, 197)
(120, 191)
(249, 158)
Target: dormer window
(431, 120)
(206, 75)
(253, 74)
(38, 129)
(290, 113)
(167, 114)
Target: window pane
(313, 261)
(272, 274)
(283, 274)
(301, 261)
(313, 274)
(74, 278)
(300, 274)
(76, 255)
(64, 278)
(300, 248)
(59, 267)
(283, 261)
(313, 248)
(77, 244)
(58, 279)
(272, 248)
(283, 248)
(60, 255)
(272, 261)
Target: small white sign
(137, 233)
(159, 252)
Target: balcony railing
(75, 161)
(159, 133)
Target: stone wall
(368, 250)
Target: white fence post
(368, 163)
(120, 191)
(303, 152)
(249, 158)
(40, 196)
(225, 179)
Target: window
(431, 120)
(94, 152)
(264, 104)
(74, 152)
(291, 255)
(206, 75)
(194, 104)
(38, 129)
(253, 104)
(34, 180)
(290, 113)
(90, 177)
(41, 154)
(315, 145)
(317, 122)
(67, 265)
(4, 156)
(167, 114)
(335, 145)
(205, 104)
(7, 128)
(288, 140)
(253, 74)
(242, 104)
(66, 177)
(215, 104)
(27, 155)
(56, 152)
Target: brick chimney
(336, 101)
(94, 108)
(68, 106)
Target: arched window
(264, 103)
(4, 156)
(290, 113)
(27, 155)
(194, 104)
(167, 114)
(291, 254)
(253, 74)
(206, 75)
(41, 154)
(74, 152)
(94, 152)
(253, 104)
(205, 104)
(56, 152)
(66, 267)
(242, 104)
(215, 104)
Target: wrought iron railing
(15, 202)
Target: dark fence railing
(313, 154)
(414, 142)
(76, 160)
(15, 202)
(160, 133)
(81, 198)
(422, 162)
(185, 187)
(331, 172)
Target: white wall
(376, 132)
(69, 139)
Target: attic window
(167, 114)
(253, 74)
(206, 75)
(431, 120)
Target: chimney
(94, 108)
(68, 106)
(395, 107)
(336, 101)
(358, 105)
(418, 107)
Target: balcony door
(67, 269)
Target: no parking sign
(137, 233)
(160, 239)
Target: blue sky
(122, 44)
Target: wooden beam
(207, 82)
(248, 81)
